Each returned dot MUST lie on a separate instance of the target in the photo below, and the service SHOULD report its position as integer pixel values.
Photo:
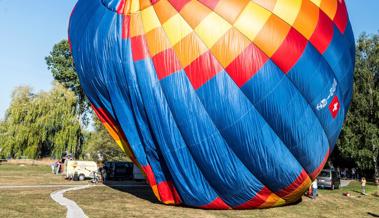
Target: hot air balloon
(223, 104)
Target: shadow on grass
(145, 193)
(372, 214)
(139, 191)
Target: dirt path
(73, 210)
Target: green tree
(61, 65)
(99, 146)
(98, 142)
(41, 124)
(359, 139)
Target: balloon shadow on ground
(138, 189)
(143, 191)
(372, 214)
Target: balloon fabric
(223, 104)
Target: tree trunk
(376, 168)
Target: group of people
(56, 167)
(312, 191)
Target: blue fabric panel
(248, 134)
(221, 167)
(289, 115)
(339, 58)
(314, 78)
(194, 189)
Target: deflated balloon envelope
(223, 104)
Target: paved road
(73, 209)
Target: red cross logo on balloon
(334, 107)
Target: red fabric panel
(139, 49)
(217, 204)
(179, 4)
(258, 200)
(210, 3)
(341, 18)
(246, 65)
(291, 188)
(290, 51)
(323, 34)
(202, 69)
(166, 63)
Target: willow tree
(41, 124)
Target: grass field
(103, 201)
(29, 202)
(25, 174)
(141, 203)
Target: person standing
(314, 189)
(353, 173)
(363, 185)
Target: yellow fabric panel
(233, 43)
(156, 192)
(307, 20)
(317, 2)
(300, 190)
(288, 10)
(188, 49)
(136, 27)
(157, 41)
(255, 13)
(201, 12)
(134, 6)
(176, 29)
(144, 4)
(211, 29)
(119, 143)
(112, 132)
(277, 29)
(164, 10)
(149, 19)
(268, 4)
(329, 7)
(272, 200)
(233, 7)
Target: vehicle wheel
(81, 177)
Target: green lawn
(103, 201)
(21, 174)
(29, 203)
(141, 203)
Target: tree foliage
(100, 146)
(360, 137)
(61, 65)
(97, 143)
(40, 124)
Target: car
(79, 170)
(329, 179)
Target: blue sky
(30, 28)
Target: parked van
(79, 170)
(116, 170)
(329, 179)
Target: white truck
(80, 170)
